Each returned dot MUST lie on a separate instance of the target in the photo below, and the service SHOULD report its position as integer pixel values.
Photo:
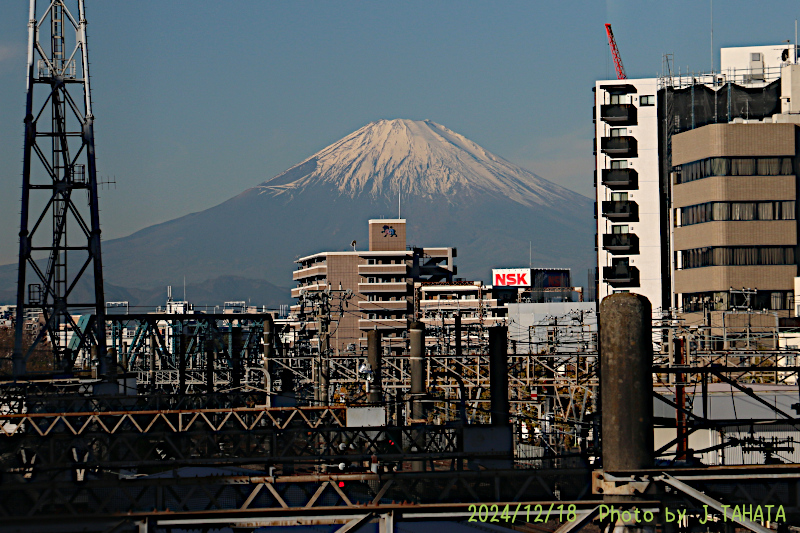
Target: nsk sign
(512, 277)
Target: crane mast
(612, 43)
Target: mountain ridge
(420, 158)
(490, 209)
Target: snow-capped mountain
(418, 158)
(452, 191)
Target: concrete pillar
(236, 356)
(324, 353)
(151, 363)
(269, 355)
(374, 358)
(112, 365)
(210, 357)
(417, 368)
(626, 391)
(498, 375)
(180, 353)
(458, 334)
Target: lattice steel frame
(70, 136)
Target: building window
(737, 256)
(725, 300)
(647, 100)
(617, 99)
(370, 261)
(734, 166)
(737, 211)
(619, 197)
(621, 265)
(619, 164)
(619, 132)
(620, 229)
(370, 280)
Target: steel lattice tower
(58, 164)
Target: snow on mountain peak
(419, 158)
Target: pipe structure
(626, 392)
(498, 375)
(374, 359)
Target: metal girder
(711, 502)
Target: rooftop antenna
(712, 35)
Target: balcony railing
(620, 210)
(627, 243)
(618, 114)
(618, 146)
(621, 276)
(620, 178)
(394, 287)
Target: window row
(620, 99)
(716, 211)
(734, 166)
(737, 256)
(726, 300)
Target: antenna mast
(58, 162)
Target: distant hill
(452, 193)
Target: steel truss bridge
(183, 453)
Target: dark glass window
(725, 211)
(737, 256)
(734, 166)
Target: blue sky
(195, 101)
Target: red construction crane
(615, 53)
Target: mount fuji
(451, 191)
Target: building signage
(511, 277)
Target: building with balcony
(380, 280)
(656, 225)
(632, 254)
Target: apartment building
(632, 252)
(380, 281)
(644, 128)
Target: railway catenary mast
(58, 161)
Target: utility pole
(323, 364)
